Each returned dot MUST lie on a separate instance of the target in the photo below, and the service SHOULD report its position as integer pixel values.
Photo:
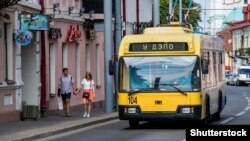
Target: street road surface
(237, 112)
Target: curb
(65, 130)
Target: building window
(77, 4)
(52, 67)
(247, 42)
(87, 57)
(8, 51)
(50, 2)
(98, 66)
(245, 1)
(64, 55)
(71, 3)
(78, 65)
(64, 3)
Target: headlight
(186, 110)
(240, 78)
(131, 110)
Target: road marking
(241, 113)
(247, 108)
(247, 98)
(227, 120)
(184, 140)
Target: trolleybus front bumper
(124, 114)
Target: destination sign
(162, 46)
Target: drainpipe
(43, 68)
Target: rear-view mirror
(111, 67)
(204, 65)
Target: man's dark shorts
(65, 96)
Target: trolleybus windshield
(159, 73)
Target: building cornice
(30, 5)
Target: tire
(216, 116)
(206, 120)
(133, 124)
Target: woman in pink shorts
(87, 85)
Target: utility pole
(108, 54)
(156, 12)
(118, 38)
(180, 11)
(170, 9)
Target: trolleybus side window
(220, 65)
(215, 68)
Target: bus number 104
(132, 100)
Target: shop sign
(74, 34)
(55, 33)
(23, 38)
(34, 22)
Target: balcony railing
(7, 3)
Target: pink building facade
(29, 74)
(74, 39)
(19, 65)
(69, 44)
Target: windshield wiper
(173, 85)
(133, 91)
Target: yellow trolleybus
(170, 73)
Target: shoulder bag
(86, 94)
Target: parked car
(243, 76)
(227, 74)
(232, 79)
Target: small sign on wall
(8, 99)
(23, 38)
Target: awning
(7, 3)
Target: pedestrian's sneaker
(88, 115)
(85, 115)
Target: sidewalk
(51, 125)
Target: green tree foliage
(194, 15)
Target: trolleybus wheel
(216, 115)
(207, 118)
(133, 123)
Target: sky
(205, 13)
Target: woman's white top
(88, 84)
